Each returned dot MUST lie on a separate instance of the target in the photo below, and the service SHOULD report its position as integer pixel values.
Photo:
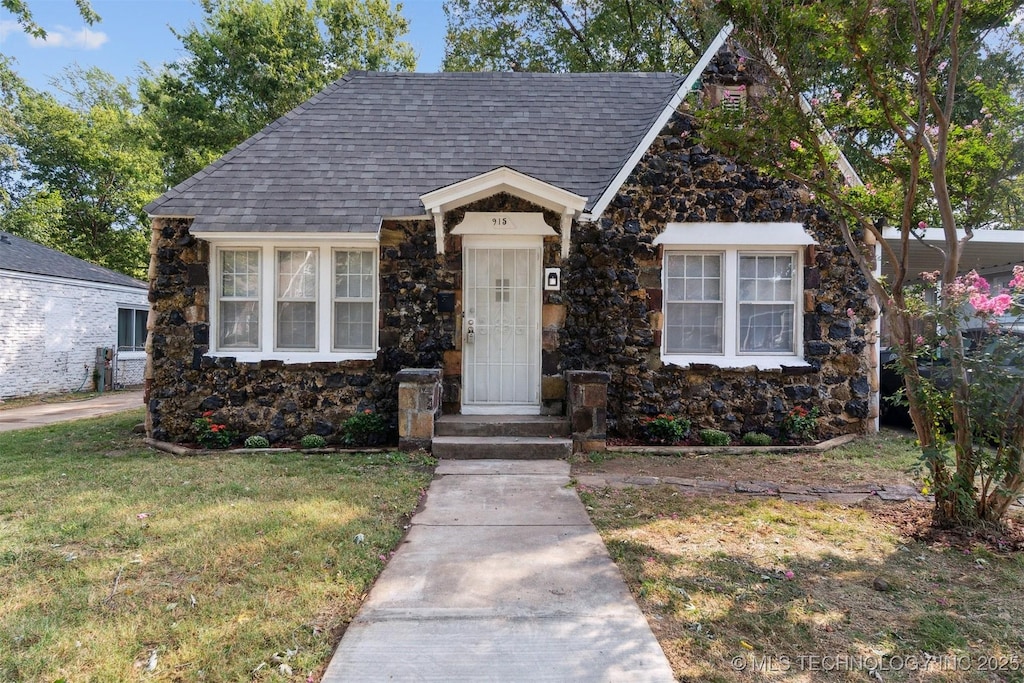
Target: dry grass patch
(740, 589)
(120, 563)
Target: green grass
(224, 567)
(756, 580)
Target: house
(56, 311)
(501, 230)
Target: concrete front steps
(504, 437)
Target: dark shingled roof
(371, 143)
(24, 256)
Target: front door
(501, 333)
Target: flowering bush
(364, 429)
(801, 424)
(666, 429)
(257, 441)
(210, 434)
(312, 441)
(714, 437)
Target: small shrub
(313, 441)
(210, 434)
(666, 429)
(756, 439)
(714, 437)
(801, 424)
(364, 429)
(257, 441)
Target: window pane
(693, 328)
(766, 278)
(693, 277)
(766, 328)
(353, 325)
(296, 325)
(124, 327)
(140, 330)
(239, 324)
(353, 274)
(239, 273)
(296, 274)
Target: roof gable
(25, 256)
(371, 144)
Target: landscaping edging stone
(735, 450)
(840, 495)
(177, 449)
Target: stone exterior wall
(607, 317)
(50, 329)
(614, 300)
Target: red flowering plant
(365, 428)
(210, 434)
(801, 424)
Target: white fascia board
(938, 236)
(503, 179)
(228, 238)
(659, 123)
(781, 235)
(72, 282)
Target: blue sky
(134, 31)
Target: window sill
(737, 362)
(293, 357)
(131, 355)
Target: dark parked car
(999, 353)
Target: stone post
(588, 409)
(419, 402)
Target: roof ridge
(251, 140)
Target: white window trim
(123, 352)
(268, 301)
(317, 299)
(731, 240)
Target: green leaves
(251, 62)
(583, 35)
(84, 170)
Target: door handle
(470, 332)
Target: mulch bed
(914, 521)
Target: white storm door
(501, 333)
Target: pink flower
(977, 79)
(794, 145)
(788, 574)
(919, 340)
(849, 313)
(1018, 278)
(922, 225)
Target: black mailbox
(446, 302)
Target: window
(239, 304)
(131, 329)
(693, 295)
(296, 299)
(732, 293)
(353, 299)
(297, 302)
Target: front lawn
(755, 588)
(121, 563)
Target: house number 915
(500, 221)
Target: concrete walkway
(501, 578)
(49, 413)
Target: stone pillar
(588, 409)
(419, 402)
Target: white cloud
(8, 26)
(62, 36)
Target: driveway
(49, 413)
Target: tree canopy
(79, 169)
(251, 61)
(584, 35)
(23, 15)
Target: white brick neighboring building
(55, 310)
